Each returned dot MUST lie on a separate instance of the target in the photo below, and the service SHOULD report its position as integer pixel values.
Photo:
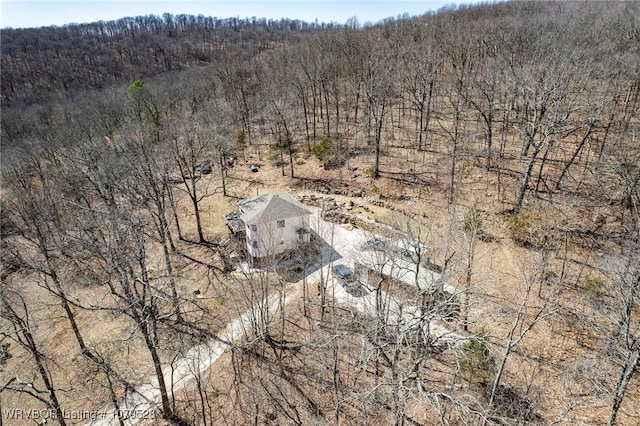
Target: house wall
(273, 240)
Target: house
(271, 224)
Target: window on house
(281, 224)
(254, 228)
(254, 244)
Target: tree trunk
(454, 155)
(53, 399)
(291, 158)
(575, 154)
(631, 365)
(376, 170)
(174, 210)
(427, 119)
(489, 123)
(193, 194)
(150, 341)
(223, 177)
(306, 121)
(540, 170)
(420, 125)
(526, 179)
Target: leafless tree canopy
(478, 167)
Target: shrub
(595, 288)
(330, 152)
(472, 220)
(323, 149)
(370, 172)
(475, 360)
(524, 228)
(241, 143)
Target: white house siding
(273, 240)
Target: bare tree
(20, 329)
(380, 90)
(191, 149)
(545, 112)
(424, 71)
(529, 312)
(472, 227)
(624, 341)
(134, 294)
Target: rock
(599, 218)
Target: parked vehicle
(205, 168)
(342, 272)
(415, 250)
(377, 243)
(348, 280)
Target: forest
(499, 138)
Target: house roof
(270, 208)
(234, 222)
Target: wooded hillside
(502, 136)
(39, 62)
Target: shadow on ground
(309, 259)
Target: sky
(38, 13)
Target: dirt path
(143, 403)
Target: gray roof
(270, 208)
(234, 222)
